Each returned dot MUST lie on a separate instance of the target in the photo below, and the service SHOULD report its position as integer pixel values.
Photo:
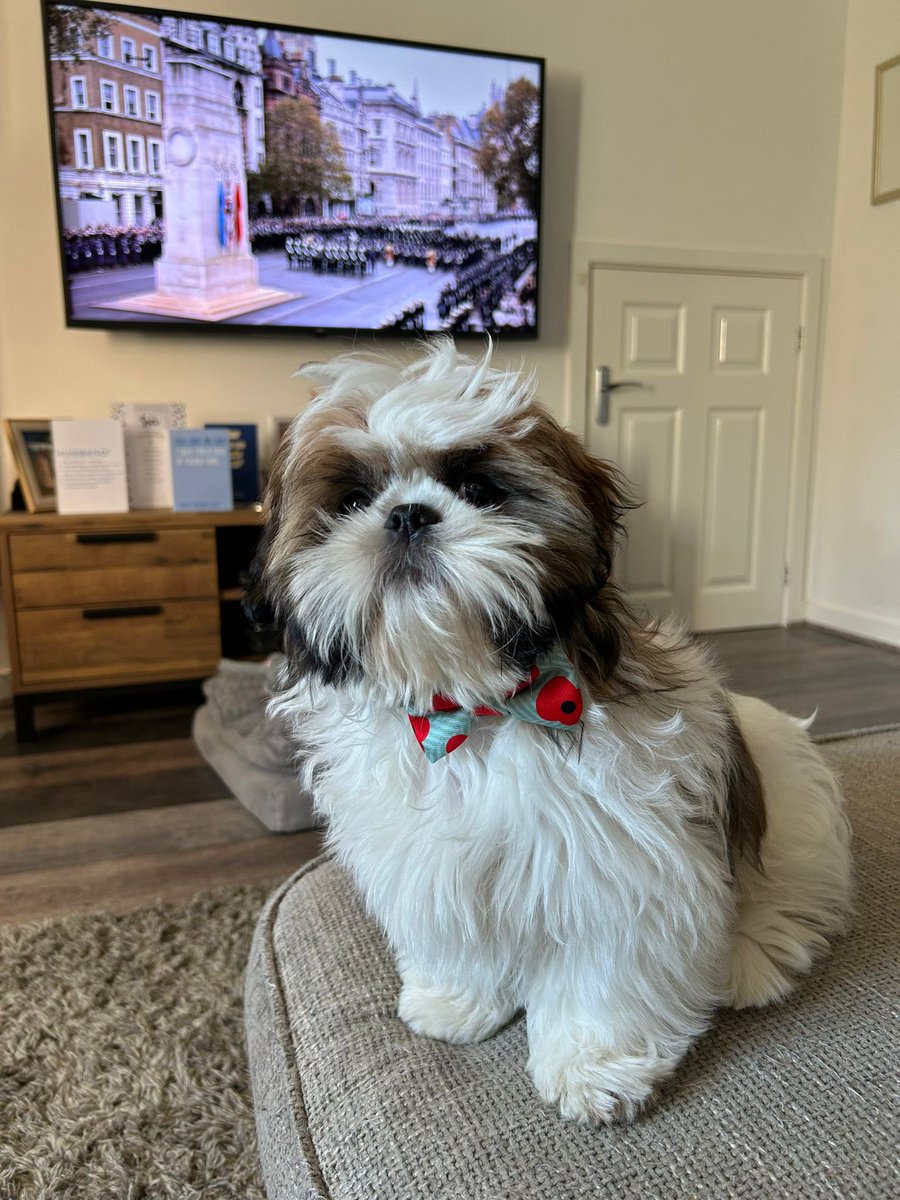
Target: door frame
(808, 269)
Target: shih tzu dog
(548, 803)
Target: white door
(701, 426)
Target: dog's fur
(680, 849)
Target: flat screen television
(220, 173)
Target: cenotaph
(206, 271)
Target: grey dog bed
(250, 751)
(791, 1102)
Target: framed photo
(886, 147)
(32, 449)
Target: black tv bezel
(178, 326)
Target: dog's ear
(615, 653)
(606, 495)
(260, 600)
(255, 602)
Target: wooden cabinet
(119, 599)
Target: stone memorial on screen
(206, 271)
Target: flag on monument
(221, 214)
(237, 213)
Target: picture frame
(886, 142)
(31, 443)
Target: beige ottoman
(796, 1102)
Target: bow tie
(549, 696)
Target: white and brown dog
(547, 803)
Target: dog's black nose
(407, 520)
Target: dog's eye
(354, 501)
(479, 490)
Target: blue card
(244, 445)
(201, 470)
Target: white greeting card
(150, 416)
(148, 460)
(148, 454)
(89, 460)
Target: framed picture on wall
(886, 147)
(32, 450)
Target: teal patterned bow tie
(549, 696)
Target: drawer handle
(107, 614)
(97, 539)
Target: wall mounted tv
(218, 173)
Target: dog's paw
(596, 1087)
(756, 980)
(455, 1017)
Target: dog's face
(432, 529)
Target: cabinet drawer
(175, 638)
(111, 548)
(103, 585)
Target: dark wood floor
(112, 806)
(803, 669)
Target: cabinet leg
(23, 711)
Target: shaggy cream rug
(122, 1067)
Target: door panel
(730, 538)
(654, 338)
(648, 454)
(702, 428)
(742, 339)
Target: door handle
(602, 389)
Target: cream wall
(854, 576)
(707, 123)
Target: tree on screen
(304, 158)
(510, 145)
(336, 181)
(74, 31)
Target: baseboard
(885, 630)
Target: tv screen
(216, 173)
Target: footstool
(791, 1102)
